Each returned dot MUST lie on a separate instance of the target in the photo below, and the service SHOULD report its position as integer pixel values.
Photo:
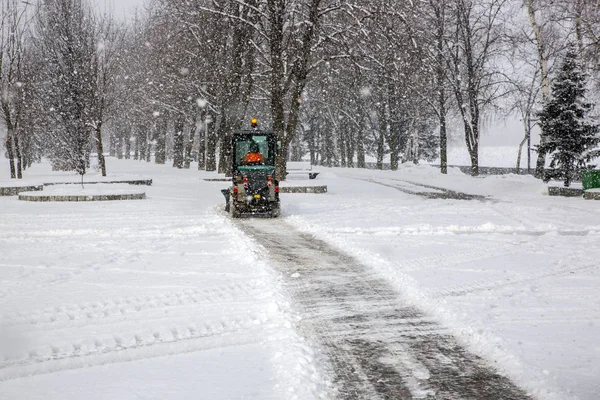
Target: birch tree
(542, 56)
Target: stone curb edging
(137, 182)
(573, 192)
(564, 191)
(302, 189)
(15, 190)
(93, 197)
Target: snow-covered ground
(160, 298)
(517, 277)
(167, 298)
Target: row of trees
(13, 26)
(338, 81)
(60, 77)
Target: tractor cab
(253, 151)
(254, 190)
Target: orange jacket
(253, 158)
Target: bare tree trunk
(342, 145)
(178, 143)
(296, 149)
(276, 17)
(443, 139)
(26, 148)
(202, 137)
(87, 152)
(440, 17)
(188, 148)
(310, 138)
(380, 150)
(202, 146)
(284, 150)
(119, 147)
(128, 147)
(472, 140)
(327, 156)
(19, 157)
(350, 146)
(143, 144)
(112, 141)
(211, 149)
(225, 156)
(360, 144)
(100, 149)
(394, 155)
(383, 128)
(160, 152)
(519, 153)
(148, 147)
(474, 153)
(360, 154)
(526, 139)
(11, 154)
(136, 151)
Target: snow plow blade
(227, 195)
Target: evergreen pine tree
(566, 122)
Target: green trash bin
(590, 178)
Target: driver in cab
(253, 156)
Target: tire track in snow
(489, 284)
(115, 260)
(378, 347)
(432, 192)
(173, 339)
(115, 310)
(121, 329)
(452, 194)
(524, 228)
(47, 275)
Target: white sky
(122, 8)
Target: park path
(378, 346)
